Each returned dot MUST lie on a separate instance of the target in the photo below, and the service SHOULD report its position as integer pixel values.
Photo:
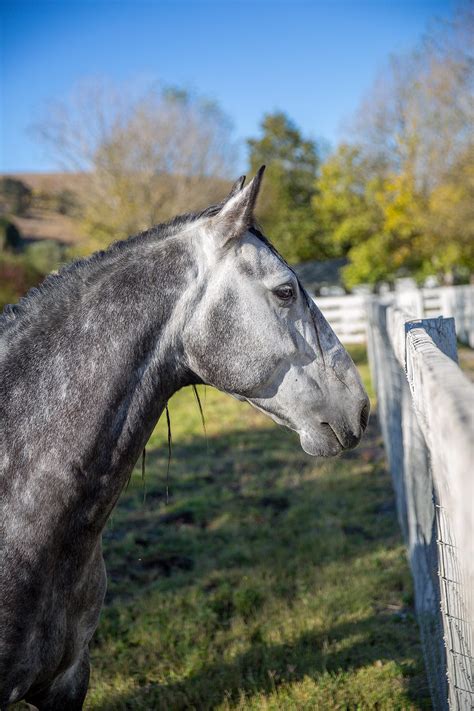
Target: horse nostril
(364, 415)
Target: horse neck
(93, 376)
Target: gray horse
(87, 365)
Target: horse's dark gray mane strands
(143, 463)
(88, 363)
(170, 447)
(201, 411)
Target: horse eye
(285, 292)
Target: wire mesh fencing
(426, 411)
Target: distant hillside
(43, 222)
(52, 182)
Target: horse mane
(13, 312)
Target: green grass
(271, 580)
(466, 360)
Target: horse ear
(237, 187)
(236, 215)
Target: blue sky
(314, 60)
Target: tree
(400, 200)
(15, 196)
(372, 217)
(419, 109)
(345, 199)
(10, 235)
(285, 205)
(449, 220)
(395, 246)
(146, 156)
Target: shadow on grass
(250, 506)
(244, 499)
(264, 668)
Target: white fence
(426, 412)
(348, 314)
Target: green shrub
(16, 277)
(44, 256)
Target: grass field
(271, 580)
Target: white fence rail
(348, 314)
(426, 411)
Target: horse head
(254, 332)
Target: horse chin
(320, 444)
